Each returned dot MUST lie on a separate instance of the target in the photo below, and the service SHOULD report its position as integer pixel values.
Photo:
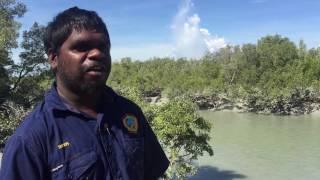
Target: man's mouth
(95, 70)
(99, 69)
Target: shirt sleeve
(20, 161)
(156, 162)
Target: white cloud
(213, 43)
(190, 40)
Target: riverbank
(296, 103)
(280, 106)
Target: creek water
(261, 147)
(252, 146)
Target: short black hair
(71, 19)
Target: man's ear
(53, 59)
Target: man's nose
(96, 54)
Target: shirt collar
(56, 102)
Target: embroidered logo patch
(131, 123)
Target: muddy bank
(296, 103)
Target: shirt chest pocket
(134, 148)
(81, 167)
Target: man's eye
(82, 47)
(103, 48)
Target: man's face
(83, 61)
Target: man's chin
(91, 87)
(85, 88)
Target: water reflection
(211, 173)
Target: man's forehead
(87, 34)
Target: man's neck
(86, 103)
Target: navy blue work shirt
(57, 142)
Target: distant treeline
(273, 67)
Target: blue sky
(145, 28)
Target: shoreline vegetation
(273, 76)
(297, 104)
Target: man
(82, 129)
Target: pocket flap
(82, 164)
